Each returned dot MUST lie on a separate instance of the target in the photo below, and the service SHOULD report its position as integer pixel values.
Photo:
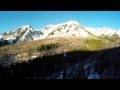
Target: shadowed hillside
(105, 62)
(42, 67)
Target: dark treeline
(42, 67)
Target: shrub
(47, 47)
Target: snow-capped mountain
(22, 34)
(70, 28)
(30, 34)
(73, 28)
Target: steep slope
(104, 31)
(73, 28)
(12, 36)
(30, 34)
(70, 28)
(22, 34)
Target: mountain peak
(26, 27)
(73, 21)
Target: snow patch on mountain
(69, 28)
(30, 34)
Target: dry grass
(65, 44)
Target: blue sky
(39, 19)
